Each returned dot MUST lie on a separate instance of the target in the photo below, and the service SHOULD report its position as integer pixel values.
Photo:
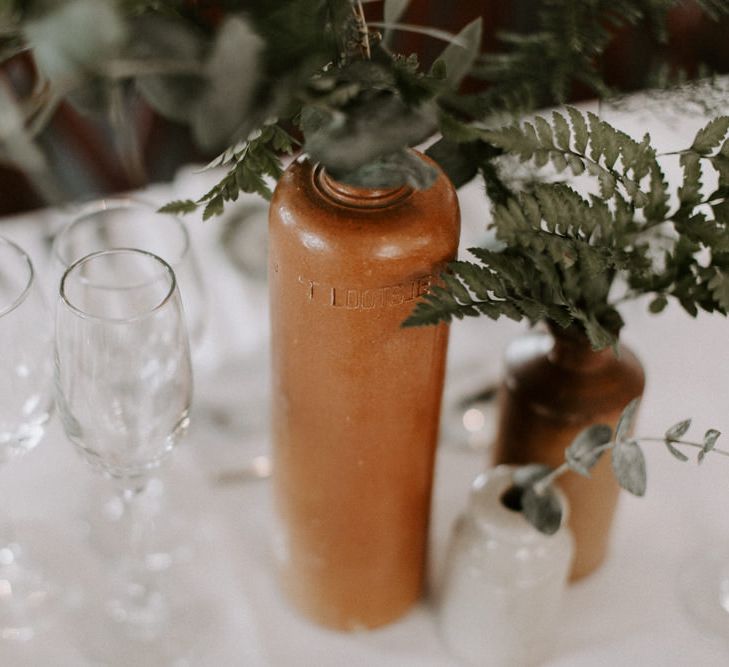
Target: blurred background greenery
(79, 147)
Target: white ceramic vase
(503, 581)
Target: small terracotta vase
(356, 397)
(555, 385)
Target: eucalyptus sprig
(562, 251)
(534, 495)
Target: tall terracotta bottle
(356, 398)
(555, 385)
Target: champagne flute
(124, 389)
(26, 400)
(128, 223)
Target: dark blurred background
(81, 148)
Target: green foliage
(457, 60)
(230, 68)
(250, 162)
(565, 48)
(629, 467)
(74, 39)
(587, 448)
(532, 489)
(564, 251)
(710, 438)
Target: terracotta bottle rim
(354, 196)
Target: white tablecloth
(628, 613)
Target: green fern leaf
(443, 296)
(531, 309)
(544, 132)
(532, 212)
(607, 184)
(560, 315)
(459, 292)
(720, 163)
(690, 191)
(522, 141)
(549, 207)
(179, 207)
(501, 263)
(710, 136)
(426, 313)
(593, 168)
(478, 279)
(561, 131)
(611, 150)
(541, 157)
(215, 206)
(635, 157)
(656, 207)
(592, 262)
(576, 165)
(597, 137)
(493, 311)
(719, 286)
(579, 127)
(559, 161)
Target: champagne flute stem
(134, 522)
(138, 602)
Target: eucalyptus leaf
(392, 11)
(75, 38)
(628, 464)
(710, 438)
(675, 452)
(526, 476)
(374, 129)
(587, 448)
(677, 430)
(542, 510)
(435, 33)
(232, 73)
(392, 171)
(163, 39)
(460, 55)
(626, 422)
(314, 119)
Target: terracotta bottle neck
(572, 349)
(354, 196)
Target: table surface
(629, 612)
